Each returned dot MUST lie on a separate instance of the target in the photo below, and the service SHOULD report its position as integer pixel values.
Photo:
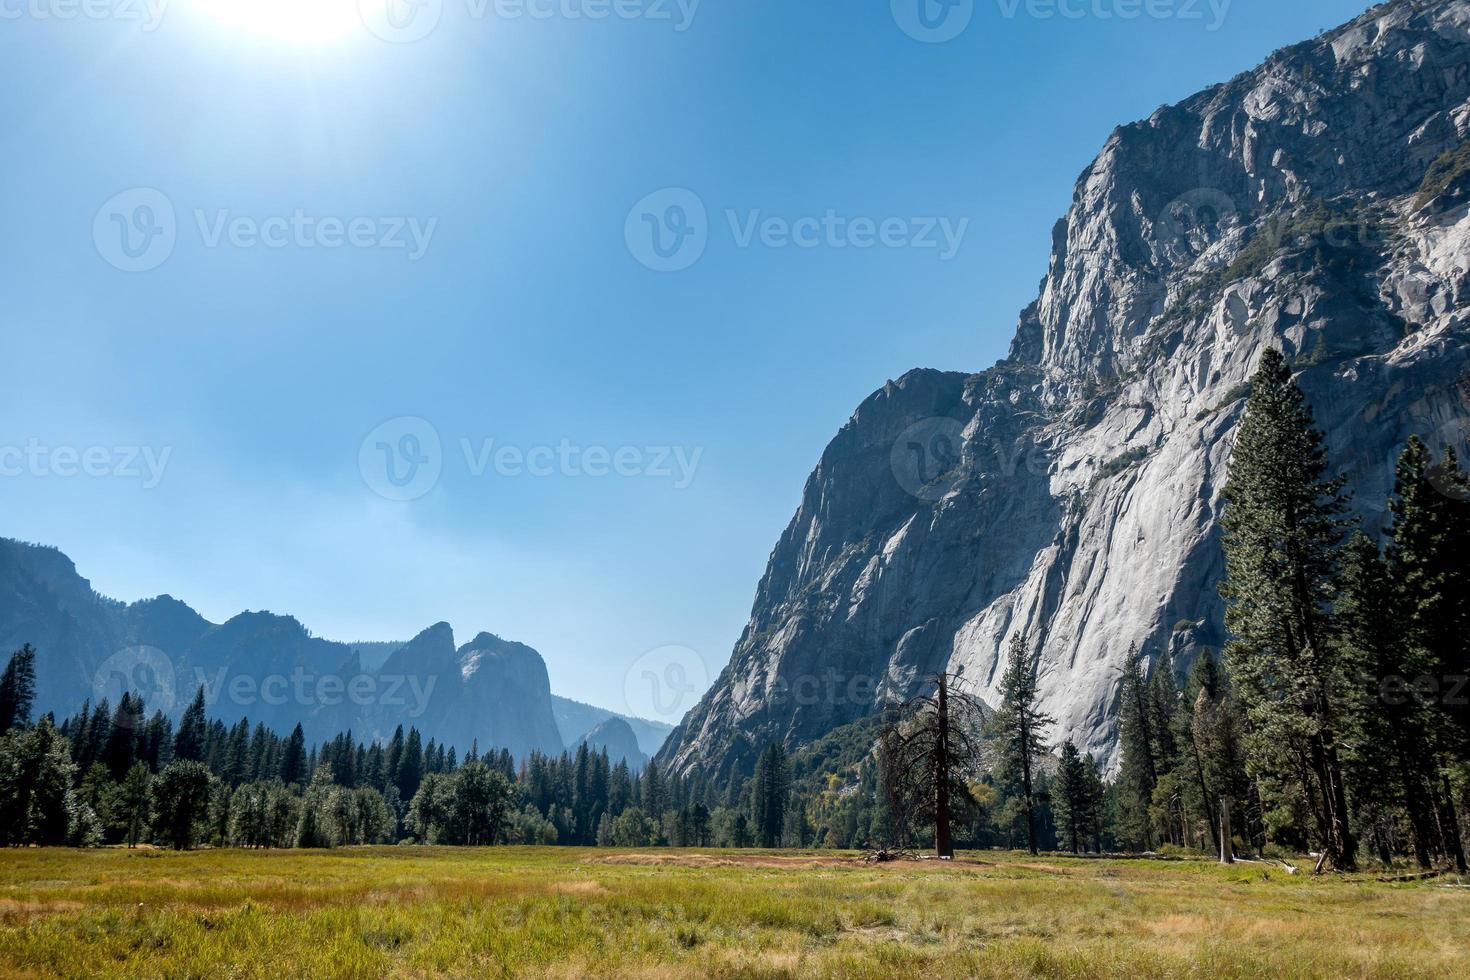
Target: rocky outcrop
(1319, 204)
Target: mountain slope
(267, 667)
(575, 719)
(615, 736)
(1072, 493)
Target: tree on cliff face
(1283, 527)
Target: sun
(293, 21)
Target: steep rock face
(1321, 205)
(509, 691)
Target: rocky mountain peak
(1072, 494)
(1361, 112)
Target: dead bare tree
(929, 746)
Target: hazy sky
(241, 244)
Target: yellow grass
(558, 912)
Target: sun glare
(294, 21)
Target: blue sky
(290, 311)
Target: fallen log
(1421, 876)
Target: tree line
(1334, 722)
(120, 775)
(1337, 718)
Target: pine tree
(1018, 726)
(1282, 529)
(394, 755)
(1389, 755)
(410, 765)
(294, 763)
(133, 801)
(121, 748)
(193, 732)
(1215, 736)
(769, 792)
(18, 689)
(1096, 802)
(1140, 773)
(1164, 721)
(1431, 578)
(1070, 801)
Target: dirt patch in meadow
(728, 861)
(13, 909)
(786, 861)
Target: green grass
(1449, 167)
(559, 912)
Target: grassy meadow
(562, 912)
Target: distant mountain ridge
(271, 669)
(576, 721)
(615, 737)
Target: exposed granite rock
(1319, 204)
